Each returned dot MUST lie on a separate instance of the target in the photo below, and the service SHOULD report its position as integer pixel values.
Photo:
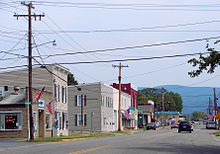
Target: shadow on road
(174, 148)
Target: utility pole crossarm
(29, 16)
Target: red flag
(37, 97)
(50, 108)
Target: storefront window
(10, 121)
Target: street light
(54, 43)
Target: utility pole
(215, 104)
(29, 5)
(81, 113)
(119, 107)
(163, 105)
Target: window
(78, 100)
(48, 121)
(78, 120)
(63, 94)
(55, 92)
(104, 121)
(10, 121)
(58, 91)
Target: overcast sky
(98, 24)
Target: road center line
(92, 149)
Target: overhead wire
(134, 29)
(137, 46)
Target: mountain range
(194, 98)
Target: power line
(135, 29)
(132, 59)
(136, 46)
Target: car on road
(185, 126)
(174, 125)
(151, 125)
(210, 124)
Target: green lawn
(71, 136)
(123, 132)
(217, 133)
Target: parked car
(185, 126)
(210, 124)
(151, 125)
(157, 124)
(174, 125)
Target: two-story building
(97, 105)
(133, 110)
(54, 79)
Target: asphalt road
(161, 141)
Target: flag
(128, 110)
(37, 97)
(126, 114)
(50, 108)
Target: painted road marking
(92, 149)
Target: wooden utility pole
(163, 106)
(215, 104)
(119, 107)
(29, 5)
(81, 113)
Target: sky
(81, 26)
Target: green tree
(71, 80)
(205, 63)
(198, 116)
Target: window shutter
(85, 121)
(84, 100)
(75, 119)
(75, 100)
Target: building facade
(14, 115)
(54, 79)
(133, 109)
(145, 113)
(98, 103)
(168, 117)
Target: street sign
(218, 116)
(28, 103)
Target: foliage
(172, 101)
(209, 62)
(198, 116)
(71, 80)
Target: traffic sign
(28, 103)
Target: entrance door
(41, 122)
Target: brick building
(132, 91)
(14, 115)
(54, 79)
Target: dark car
(185, 126)
(151, 125)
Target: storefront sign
(41, 106)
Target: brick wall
(17, 133)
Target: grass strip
(71, 136)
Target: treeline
(172, 101)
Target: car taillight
(190, 126)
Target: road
(162, 141)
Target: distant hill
(194, 98)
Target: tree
(172, 101)
(71, 80)
(207, 63)
(198, 116)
